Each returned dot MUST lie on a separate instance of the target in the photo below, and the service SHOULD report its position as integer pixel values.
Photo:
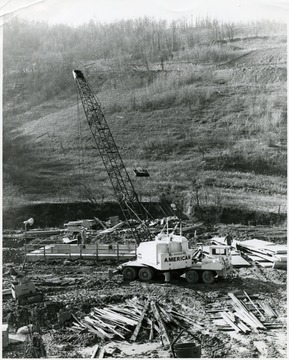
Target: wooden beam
(248, 297)
(164, 335)
(138, 326)
(230, 322)
(95, 350)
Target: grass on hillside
(222, 125)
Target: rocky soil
(82, 285)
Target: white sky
(76, 12)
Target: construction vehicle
(167, 253)
(170, 254)
(23, 289)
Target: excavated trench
(56, 214)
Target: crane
(122, 185)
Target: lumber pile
(244, 315)
(127, 321)
(264, 253)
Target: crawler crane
(166, 254)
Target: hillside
(209, 124)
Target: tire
(129, 273)
(145, 274)
(208, 277)
(192, 276)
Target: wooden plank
(164, 335)
(77, 321)
(242, 316)
(95, 350)
(152, 323)
(248, 297)
(241, 306)
(138, 326)
(109, 326)
(274, 326)
(113, 316)
(151, 336)
(267, 309)
(265, 264)
(111, 322)
(101, 353)
(238, 322)
(230, 322)
(165, 315)
(95, 331)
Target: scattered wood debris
(244, 316)
(126, 321)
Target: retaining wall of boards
(74, 251)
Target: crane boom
(122, 185)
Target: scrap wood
(151, 336)
(110, 327)
(153, 323)
(274, 325)
(185, 319)
(165, 315)
(101, 353)
(97, 330)
(106, 324)
(95, 350)
(164, 335)
(267, 309)
(230, 322)
(124, 311)
(248, 313)
(249, 319)
(77, 321)
(224, 328)
(113, 316)
(243, 326)
(243, 316)
(137, 329)
(117, 324)
(248, 297)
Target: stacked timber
(126, 321)
(264, 253)
(245, 315)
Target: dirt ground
(83, 285)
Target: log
(164, 335)
(138, 326)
